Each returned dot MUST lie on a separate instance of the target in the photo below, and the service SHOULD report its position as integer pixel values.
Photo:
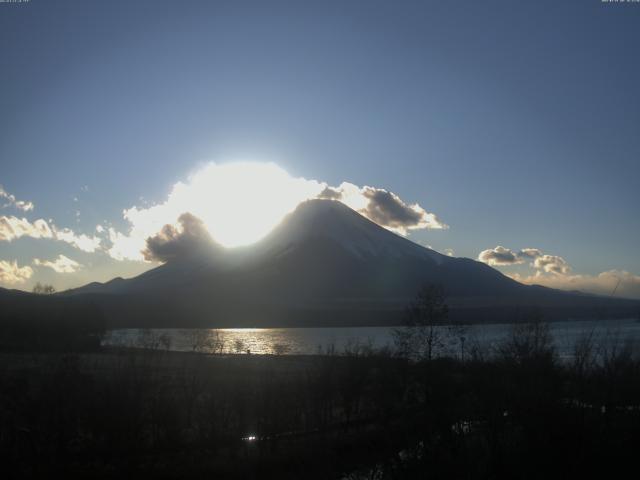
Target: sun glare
(241, 202)
(238, 202)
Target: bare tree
(458, 333)
(422, 335)
(45, 289)
(200, 340)
(529, 340)
(148, 339)
(165, 341)
(280, 348)
(584, 358)
(238, 345)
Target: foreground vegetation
(513, 412)
(73, 409)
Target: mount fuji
(324, 265)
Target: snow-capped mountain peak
(328, 219)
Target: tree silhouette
(421, 336)
(43, 289)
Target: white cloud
(61, 264)
(500, 256)
(530, 253)
(127, 247)
(11, 201)
(552, 264)
(384, 208)
(622, 283)
(11, 273)
(555, 272)
(81, 242)
(12, 228)
(239, 203)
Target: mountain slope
(324, 264)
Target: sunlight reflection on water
(296, 341)
(309, 341)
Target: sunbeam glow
(238, 202)
(241, 202)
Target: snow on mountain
(315, 219)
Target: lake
(310, 341)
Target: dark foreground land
(513, 413)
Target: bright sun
(240, 202)
(244, 201)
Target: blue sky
(516, 123)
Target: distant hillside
(49, 322)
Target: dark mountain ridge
(325, 264)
